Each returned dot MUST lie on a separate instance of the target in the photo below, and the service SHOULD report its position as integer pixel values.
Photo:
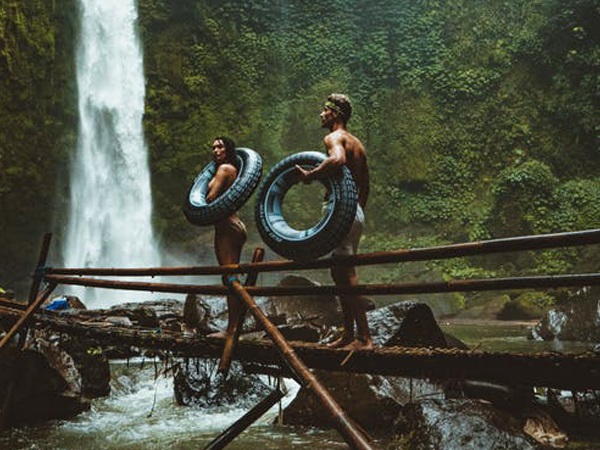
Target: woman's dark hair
(230, 155)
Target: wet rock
(301, 332)
(459, 424)
(197, 384)
(543, 429)
(575, 319)
(321, 310)
(91, 362)
(511, 397)
(43, 385)
(578, 412)
(372, 401)
(406, 323)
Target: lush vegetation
(481, 117)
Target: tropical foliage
(481, 117)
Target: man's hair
(342, 102)
(230, 155)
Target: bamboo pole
(38, 275)
(513, 244)
(245, 421)
(27, 314)
(353, 437)
(550, 281)
(233, 338)
(34, 303)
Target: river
(141, 412)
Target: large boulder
(459, 424)
(320, 310)
(407, 323)
(43, 384)
(374, 401)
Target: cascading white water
(111, 205)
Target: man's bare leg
(362, 325)
(344, 276)
(348, 333)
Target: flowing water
(111, 202)
(141, 412)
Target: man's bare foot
(357, 344)
(218, 335)
(341, 342)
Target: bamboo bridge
(548, 369)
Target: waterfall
(109, 222)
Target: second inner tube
(323, 237)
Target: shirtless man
(230, 233)
(344, 148)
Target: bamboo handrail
(551, 281)
(520, 243)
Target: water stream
(111, 203)
(141, 412)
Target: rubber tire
(199, 212)
(304, 245)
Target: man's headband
(334, 107)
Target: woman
(230, 233)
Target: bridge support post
(346, 427)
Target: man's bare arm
(335, 160)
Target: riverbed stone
(406, 323)
(458, 424)
(576, 318)
(197, 384)
(43, 384)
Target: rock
(458, 424)
(406, 323)
(301, 332)
(92, 364)
(374, 401)
(197, 384)
(578, 412)
(575, 319)
(510, 397)
(541, 427)
(323, 310)
(526, 306)
(44, 388)
(486, 307)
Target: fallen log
(546, 369)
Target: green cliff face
(480, 118)
(37, 125)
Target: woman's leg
(229, 241)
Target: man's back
(356, 160)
